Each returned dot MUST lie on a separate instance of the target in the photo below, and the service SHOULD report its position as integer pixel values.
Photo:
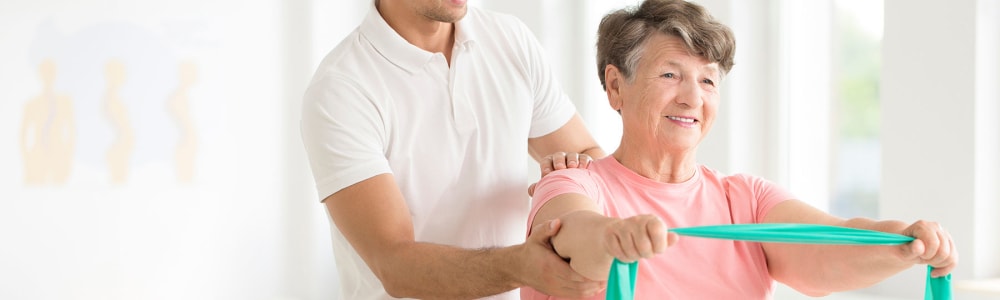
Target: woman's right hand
(641, 236)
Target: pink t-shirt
(693, 268)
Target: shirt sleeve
(343, 133)
(559, 182)
(766, 194)
(552, 107)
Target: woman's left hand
(932, 245)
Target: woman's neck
(658, 164)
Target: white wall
(939, 138)
(987, 138)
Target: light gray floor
(783, 292)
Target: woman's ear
(613, 81)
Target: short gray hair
(622, 34)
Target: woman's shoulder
(732, 180)
(594, 175)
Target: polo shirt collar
(400, 52)
(465, 33)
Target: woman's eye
(708, 81)
(668, 75)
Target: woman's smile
(683, 121)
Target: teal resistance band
(621, 280)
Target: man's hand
(559, 161)
(548, 273)
(563, 160)
(932, 245)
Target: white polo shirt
(455, 139)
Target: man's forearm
(424, 270)
(576, 241)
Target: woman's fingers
(637, 237)
(933, 245)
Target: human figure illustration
(48, 133)
(120, 152)
(179, 108)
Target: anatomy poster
(138, 148)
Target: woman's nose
(690, 94)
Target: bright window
(856, 160)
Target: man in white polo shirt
(417, 127)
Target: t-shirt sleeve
(559, 182)
(343, 133)
(765, 194)
(552, 107)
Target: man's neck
(430, 35)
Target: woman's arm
(821, 269)
(591, 240)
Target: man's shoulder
(347, 53)
(351, 63)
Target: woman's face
(673, 98)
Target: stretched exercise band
(621, 280)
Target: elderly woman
(661, 65)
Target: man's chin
(452, 15)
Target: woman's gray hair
(622, 33)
